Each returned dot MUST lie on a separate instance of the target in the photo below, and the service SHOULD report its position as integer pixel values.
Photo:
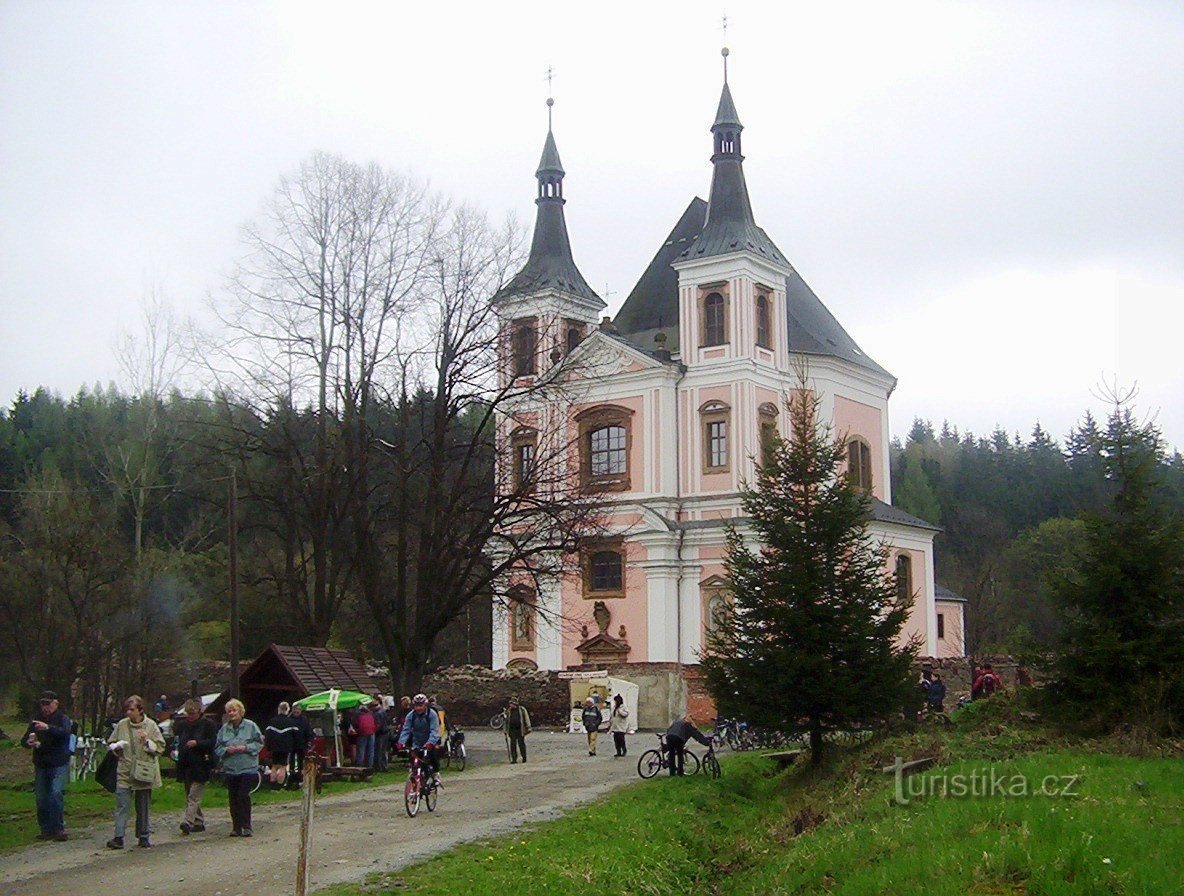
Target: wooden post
(307, 798)
(232, 539)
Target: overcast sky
(989, 196)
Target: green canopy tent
(331, 701)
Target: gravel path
(355, 833)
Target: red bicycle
(419, 787)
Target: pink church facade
(666, 411)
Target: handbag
(143, 771)
(107, 772)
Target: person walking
(280, 736)
(591, 717)
(619, 724)
(302, 742)
(195, 758)
(517, 727)
(382, 733)
(237, 745)
(677, 736)
(48, 736)
(138, 743)
(366, 727)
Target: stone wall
(471, 694)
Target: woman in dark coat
(195, 758)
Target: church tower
(548, 307)
(732, 278)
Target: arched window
(605, 442)
(604, 569)
(522, 615)
(524, 346)
(716, 449)
(575, 335)
(715, 329)
(904, 576)
(859, 464)
(764, 325)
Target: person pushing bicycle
(421, 731)
(677, 736)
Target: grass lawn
(840, 830)
(87, 803)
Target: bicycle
(498, 720)
(454, 753)
(710, 765)
(653, 761)
(419, 786)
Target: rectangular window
(717, 443)
(607, 451)
(941, 625)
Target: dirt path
(356, 833)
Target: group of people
(592, 718)
(373, 728)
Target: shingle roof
(313, 669)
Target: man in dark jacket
(936, 694)
(591, 717)
(195, 758)
(677, 736)
(302, 742)
(48, 736)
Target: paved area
(354, 834)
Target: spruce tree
(810, 642)
(1123, 649)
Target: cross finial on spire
(724, 51)
(550, 76)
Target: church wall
(631, 611)
(953, 641)
(854, 418)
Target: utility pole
(232, 536)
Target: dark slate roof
(310, 669)
(653, 303)
(886, 513)
(549, 162)
(941, 592)
(731, 235)
(726, 113)
(550, 265)
(813, 330)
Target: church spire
(730, 225)
(729, 192)
(550, 264)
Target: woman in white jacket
(619, 724)
(138, 743)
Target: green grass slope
(841, 830)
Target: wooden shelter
(290, 673)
